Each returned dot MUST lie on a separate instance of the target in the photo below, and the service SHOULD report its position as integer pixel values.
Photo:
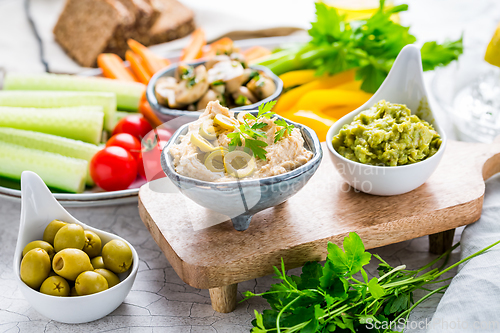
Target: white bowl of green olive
(68, 271)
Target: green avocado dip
(387, 134)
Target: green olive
(201, 142)
(39, 244)
(242, 116)
(111, 277)
(69, 263)
(215, 160)
(35, 267)
(92, 244)
(55, 286)
(90, 283)
(73, 292)
(97, 262)
(70, 236)
(51, 230)
(225, 122)
(207, 130)
(117, 256)
(239, 164)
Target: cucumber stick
(80, 123)
(50, 143)
(57, 99)
(128, 94)
(65, 173)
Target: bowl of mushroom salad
(184, 89)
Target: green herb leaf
(434, 54)
(258, 125)
(375, 289)
(241, 100)
(353, 259)
(256, 147)
(235, 139)
(287, 129)
(265, 107)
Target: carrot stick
(220, 46)
(113, 67)
(193, 50)
(152, 62)
(256, 52)
(139, 70)
(148, 114)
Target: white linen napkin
(472, 302)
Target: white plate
(91, 197)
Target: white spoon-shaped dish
(39, 208)
(403, 85)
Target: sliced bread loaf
(87, 28)
(175, 21)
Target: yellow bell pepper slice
(297, 78)
(288, 99)
(339, 111)
(313, 119)
(327, 98)
(352, 85)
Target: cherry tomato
(151, 160)
(126, 141)
(113, 168)
(152, 146)
(159, 135)
(135, 125)
(140, 166)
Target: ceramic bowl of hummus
(233, 180)
(185, 89)
(392, 144)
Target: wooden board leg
(441, 242)
(224, 298)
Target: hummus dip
(191, 157)
(388, 135)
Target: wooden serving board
(326, 209)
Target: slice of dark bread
(87, 27)
(125, 30)
(175, 21)
(145, 14)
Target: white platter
(92, 197)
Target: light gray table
(159, 300)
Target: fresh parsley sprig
(330, 299)
(252, 134)
(370, 46)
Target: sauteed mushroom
(192, 87)
(165, 92)
(261, 86)
(243, 96)
(225, 78)
(210, 95)
(211, 62)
